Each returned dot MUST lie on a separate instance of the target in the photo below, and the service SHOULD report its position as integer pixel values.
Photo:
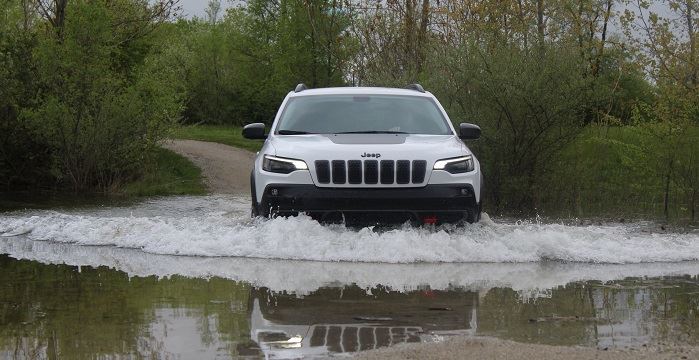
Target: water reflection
(58, 311)
(61, 311)
(348, 319)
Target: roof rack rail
(300, 87)
(416, 87)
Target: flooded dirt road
(220, 164)
(194, 277)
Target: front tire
(473, 215)
(254, 207)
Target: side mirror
(254, 131)
(469, 131)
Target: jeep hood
(352, 146)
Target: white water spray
(219, 227)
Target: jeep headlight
(282, 165)
(457, 165)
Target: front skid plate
(448, 203)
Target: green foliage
(87, 104)
(621, 87)
(532, 85)
(620, 171)
(206, 59)
(168, 174)
(100, 123)
(23, 158)
(530, 104)
(224, 134)
(238, 70)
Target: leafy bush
(94, 116)
(24, 160)
(237, 70)
(529, 103)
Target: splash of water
(219, 226)
(531, 280)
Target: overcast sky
(191, 8)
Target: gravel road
(490, 348)
(226, 169)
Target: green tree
(84, 100)
(667, 47)
(290, 42)
(530, 106)
(99, 114)
(24, 161)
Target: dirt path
(489, 348)
(226, 169)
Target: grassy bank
(172, 174)
(622, 172)
(224, 134)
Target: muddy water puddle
(194, 277)
(68, 311)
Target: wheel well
(253, 188)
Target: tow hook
(429, 220)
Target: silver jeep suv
(363, 154)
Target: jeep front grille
(339, 172)
(323, 171)
(370, 172)
(355, 337)
(388, 173)
(403, 172)
(419, 168)
(354, 171)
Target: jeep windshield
(362, 114)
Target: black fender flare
(254, 207)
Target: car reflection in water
(349, 319)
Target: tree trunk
(523, 21)
(55, 13)
(422, 36)
(314, 46)
(26, 12)
(666, 202)
(603, 40)
(693, 204)
(540, 20)
(329, 48)
(60, 16)
(409, 34)
(692, 46)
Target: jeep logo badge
(376, 155)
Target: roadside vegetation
(223, 134)
(587, 107)
(169, 174)
(84, 98)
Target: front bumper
(443, 202)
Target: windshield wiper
(373, 132)
(294, 132)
